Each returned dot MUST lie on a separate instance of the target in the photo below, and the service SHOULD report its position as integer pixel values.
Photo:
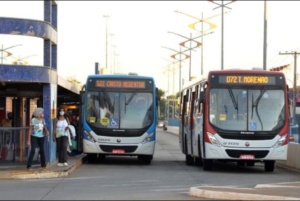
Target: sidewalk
(52, 171)
(279, 191)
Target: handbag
(74, 145)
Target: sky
(138, 30)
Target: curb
(214, 194)
(46, 174)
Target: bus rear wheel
(189, 160)
(145, 159)
(269, 166)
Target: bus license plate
(118, 151)
(246, 157)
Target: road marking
(183, 190)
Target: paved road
(167, 178)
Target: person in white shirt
(61, 128)
(104, 109)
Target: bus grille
(238, 153)
(127, 149)
(247, 137)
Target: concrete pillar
(48, 11)
(54, 57)
(54, 16)
(47, 53)
(49, 105)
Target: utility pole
(202, 33)
(265, 37)
(295, 54)
(222, 37)
(106, 16)
(111, 52)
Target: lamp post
(186, 57)
(8, 53)
(111, 52)
(106, 16)
(265, 37)
(22, 59)
(222, 37)
(168, 70)
(202, 20)
(190, 48)
(114, 47)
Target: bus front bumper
(116, 149)
(229, 153)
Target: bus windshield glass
(119, 109)
(247, 109)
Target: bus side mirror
(202, 97)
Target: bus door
(181, 124)
(80, 123)
(189, 123)
(185, 114)
(197, 122)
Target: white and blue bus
(119, 116)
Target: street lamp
(190, 48)
(192, 26)
(168, 69)
(22, 59)
(8, 53)
(222, 37)
(174, 56)
(114, 47)
(106, 16)
(265, 37)
(111, 52)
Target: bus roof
(246, 71)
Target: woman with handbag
(36, 136)
(61, 133)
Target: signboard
(120, 84)
(246, 79)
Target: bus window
(196, 100)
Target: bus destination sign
(121, 84)
(247, 79)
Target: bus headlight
(147, 138)
(89, 136)
(280, 142)
(213, 140)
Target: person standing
(36, 136)
(61, 128)
(7, 122)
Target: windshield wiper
(255, 105)
(131, 97)
(235, 103)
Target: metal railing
(13, 144)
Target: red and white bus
(235, 116)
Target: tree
(162, 102)
(73, 80)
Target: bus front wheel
(207, 164)
(145, 159)
(92, 158)
(269, 166)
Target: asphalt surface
(124, 178)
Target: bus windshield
(250, 109)
(119, 110)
